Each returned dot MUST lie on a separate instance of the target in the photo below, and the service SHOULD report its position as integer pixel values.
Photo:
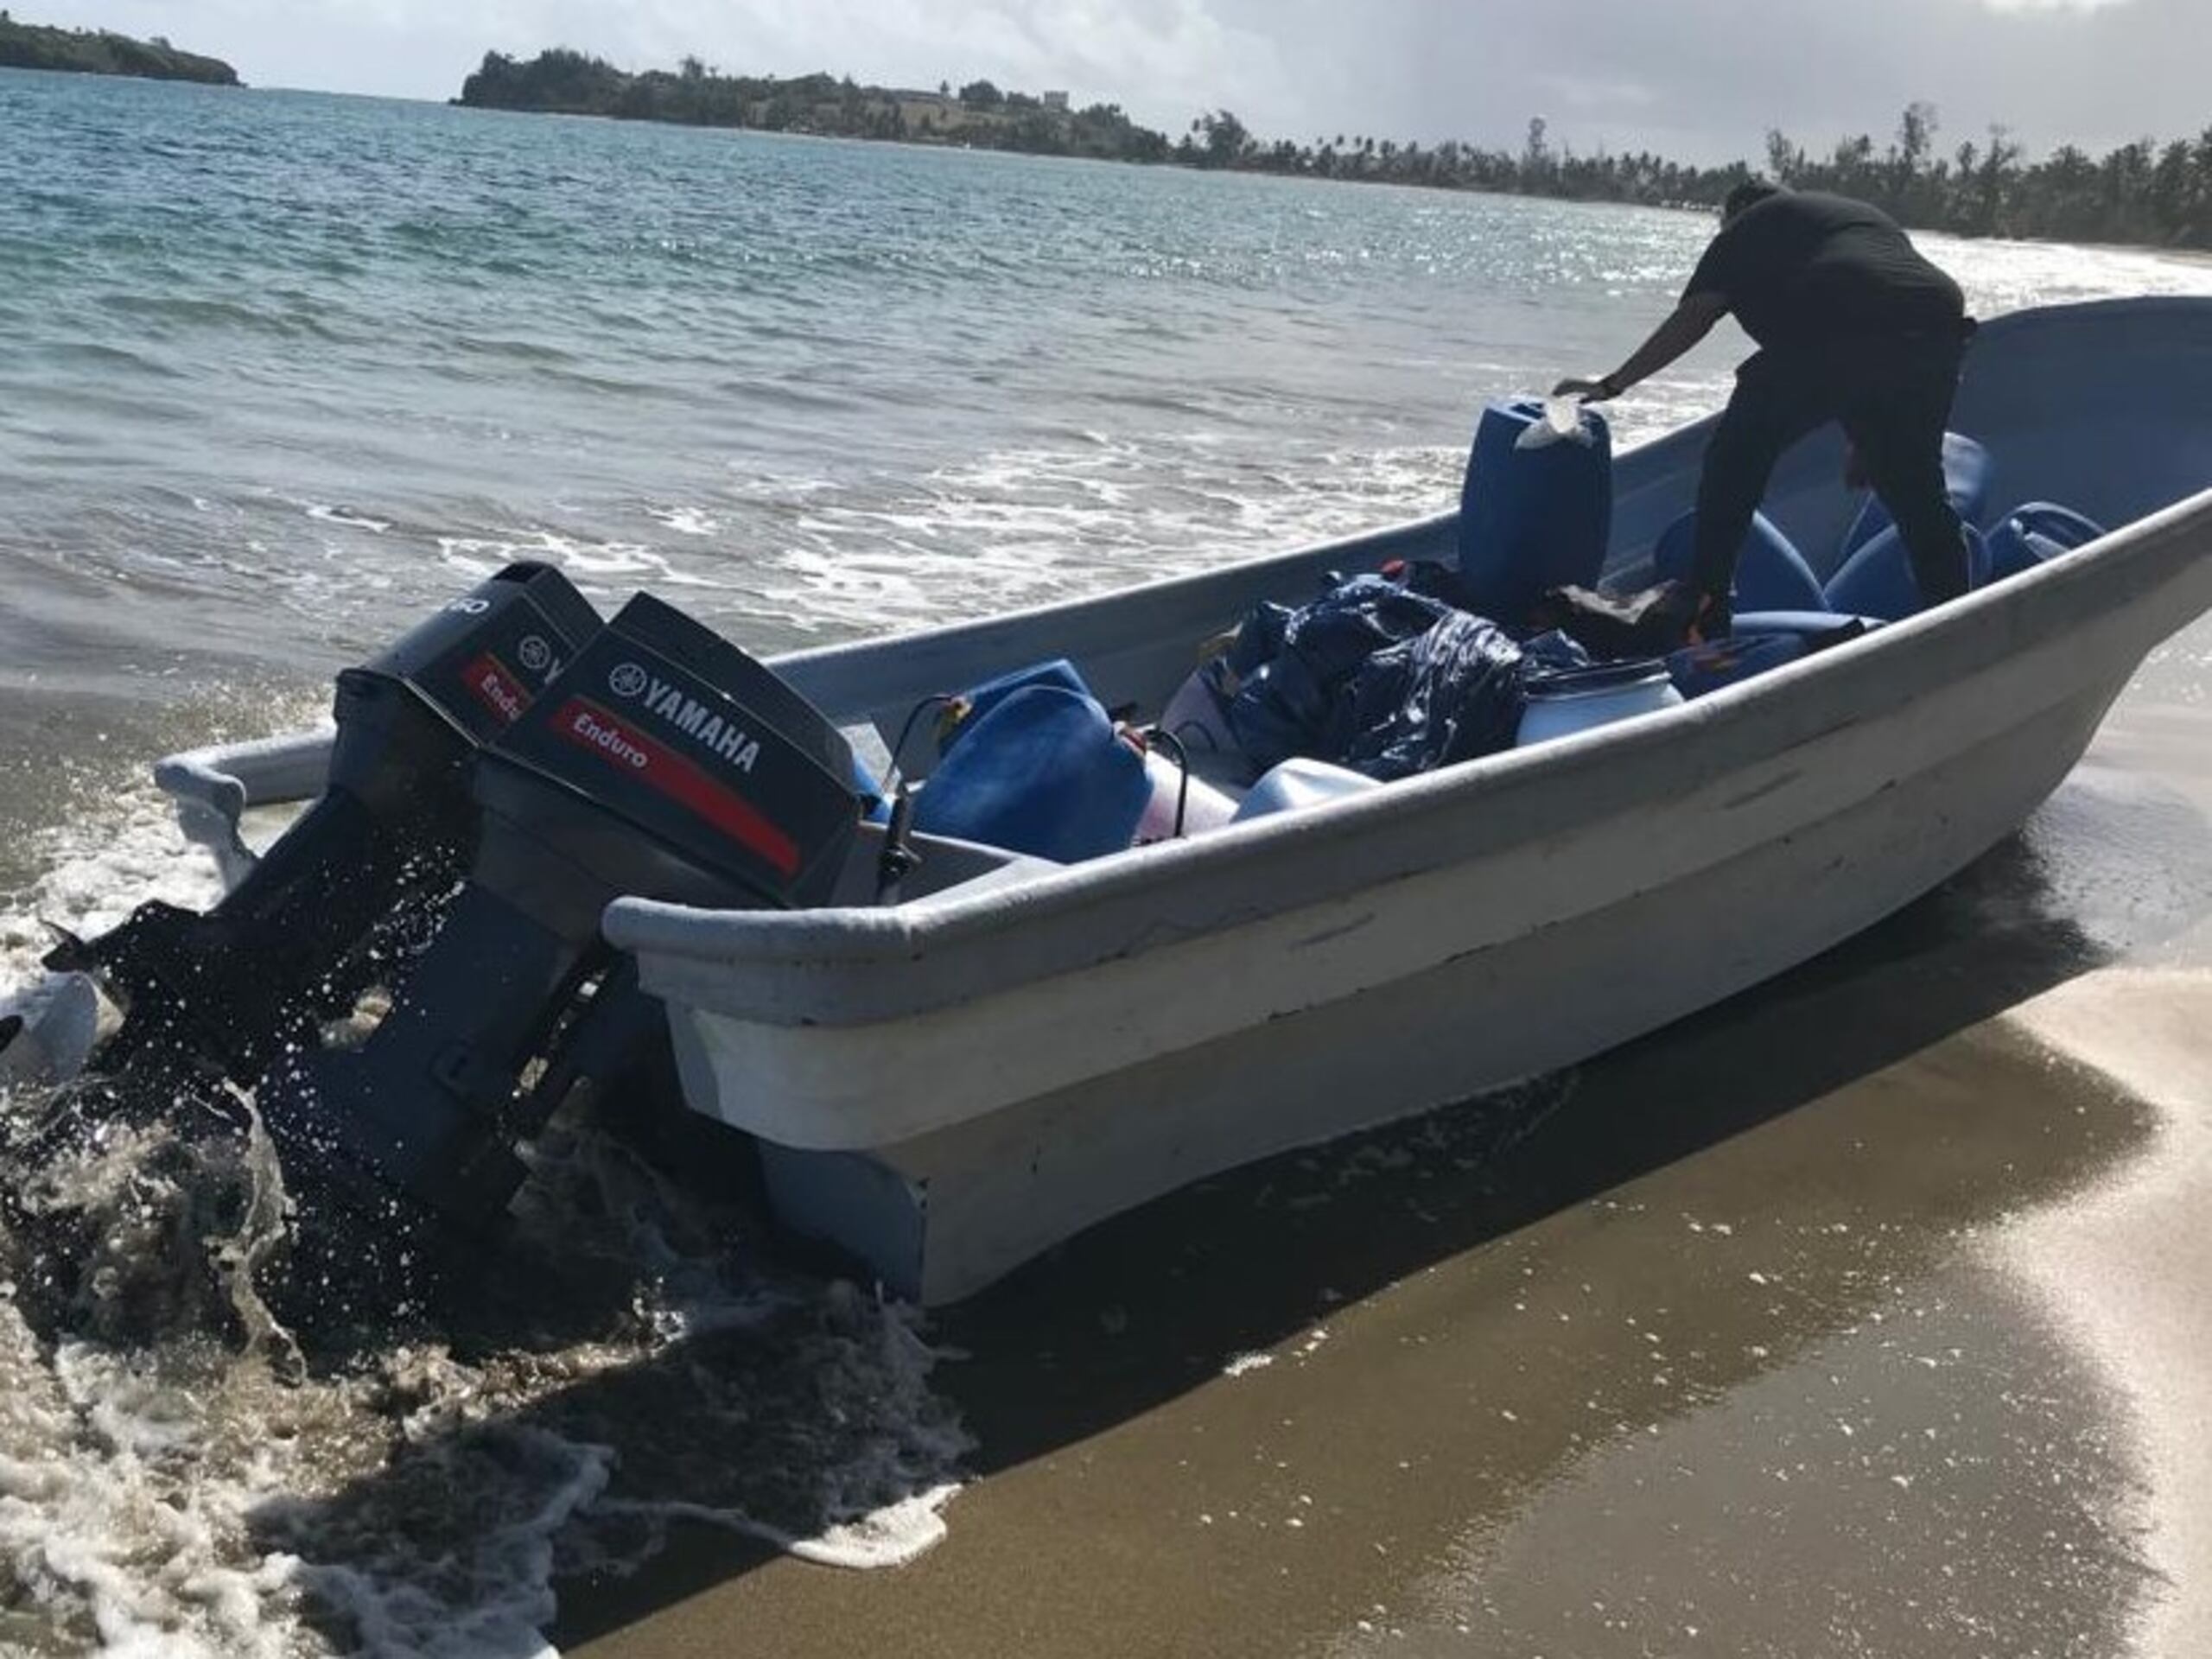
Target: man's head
(1745, 195)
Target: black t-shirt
(1799, 269)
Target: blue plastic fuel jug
(1045, 774)
(1771, 574)
(1877, 580)
(2027, 536)
(1697, 670)
(1965, 480)
(1533, 518)
(982, 699)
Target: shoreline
(2202, 257)
(2116, 1270)
(2003, 193)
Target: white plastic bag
(1563, 421)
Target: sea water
(283, 372)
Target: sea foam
(180, 1474)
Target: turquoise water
(282, 371)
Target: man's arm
(1691, 321)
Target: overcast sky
(1702, 79)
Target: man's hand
(1688, 323)
(1588, 392)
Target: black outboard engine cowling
(665, 763)
(395, 823)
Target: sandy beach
(1865, 1314)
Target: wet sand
(1867, 1314)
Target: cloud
(1701, 77)
(1707, 77)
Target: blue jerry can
(1044, 773)
(1533, 518)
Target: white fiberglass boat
(948, 1085)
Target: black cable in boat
(935, 700)
(1173, 745)
(899, 859)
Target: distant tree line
(96, 52)
(2160, 195)
(2146, 193)
(979, 115)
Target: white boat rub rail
(214, 787)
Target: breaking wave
(181, 1471)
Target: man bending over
(1853, 326)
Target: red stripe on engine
(493, 685)
(631, 751)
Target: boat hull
(946, 1213)
(1582, 901)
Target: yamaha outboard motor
(392, 833)
(663, 762)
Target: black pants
(1892, 397)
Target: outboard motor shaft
(663, 762)
(395, 824)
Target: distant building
(1057, 102)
